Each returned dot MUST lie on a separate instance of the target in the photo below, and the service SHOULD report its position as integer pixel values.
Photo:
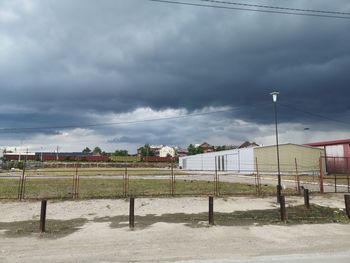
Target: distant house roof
(247, 144)
(205, 145)
(327, 143)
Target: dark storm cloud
(63, 59)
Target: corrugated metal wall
(239, 160)
(307, 158)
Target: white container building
(238, 160)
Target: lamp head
(274, 95)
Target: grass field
(62, 188)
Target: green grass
(62, 188)
(9, 188)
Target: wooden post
(347, 205)
(306, 198)
(43, 216)
(132, 213)
(283, 208)
(211, 210)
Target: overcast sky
(81, 62)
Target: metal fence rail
(74, 183)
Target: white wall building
(166, 151)
(239, 160)
(246, 160)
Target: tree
(194, 150)
(86, 150)
(147, 151)
(191, 150)
(97, 150)
(221, 148)
(199, 150)
(120, 153)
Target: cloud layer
(81, 62)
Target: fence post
(211, 210)
(22, 182)
(43, 215)
(283, 208)
(258, 179)
(132, 213)
(306, 198)
(297, 176)
(347, 172)
(347, 205)
(172, 178)
(216, 177)
(321, 175)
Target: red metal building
(337, 155)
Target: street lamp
(279, 187)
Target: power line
(278, 7)
(113, 123)
(313, 114)
(311, 13)
(14, 129)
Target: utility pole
(279, 186)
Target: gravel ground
(97, 241)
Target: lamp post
(279, 187)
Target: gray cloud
(62, 60)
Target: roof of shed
(326, 143)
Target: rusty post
(347, 205)
(211, 210)
(73, 187)
(172, 178)
(215, 176)
(132, 213)
(124, 182)
(19, 187)
(257, 179)
(22, 182)
(43, 216)
(78, 185)
(217, 184)
(297, 176)
(347, 173)
(306, 198)
(127, 181)
(24, 187)
(283, 208)
(321, 176)
(334, 174)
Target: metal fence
(126, 182)
(85, 182)
(335, 174)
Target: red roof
(346, 141)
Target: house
(206, 147)
(181, 152)
(166, 151)
(248, 144)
